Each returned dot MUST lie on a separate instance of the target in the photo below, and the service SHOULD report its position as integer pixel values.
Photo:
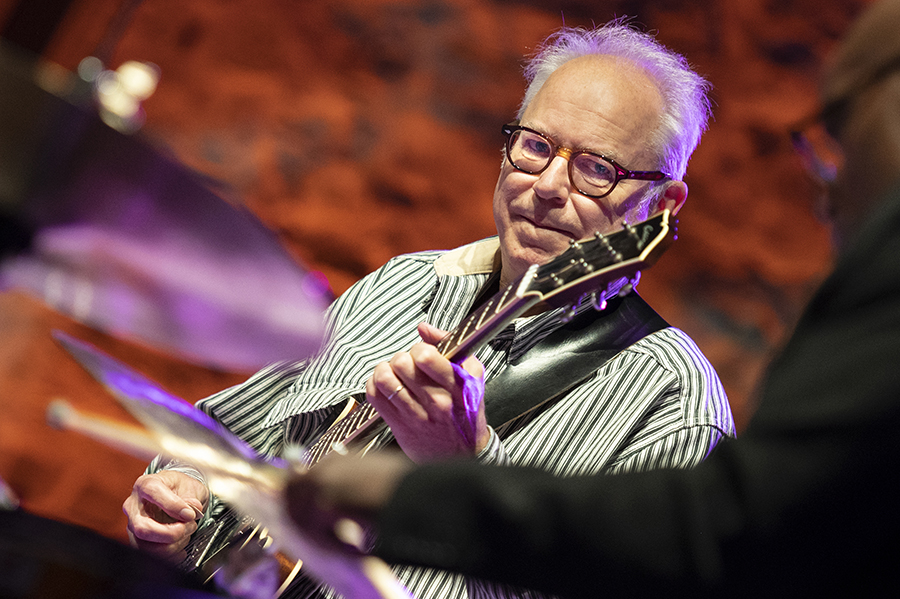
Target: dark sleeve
(559, 535)
(803, 503)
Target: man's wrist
(493, 452)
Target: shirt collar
(481, 257)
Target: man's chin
(538, 256)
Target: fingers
(174, 551)
(166, 491)
(388, 392)
(160, 520)
(473, 367)
(433, 406)
(428, 361)
(430, 334)
(423, 386)
(421, 380)
(162, 540)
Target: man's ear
(673, 197)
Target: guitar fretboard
(465, 339)
(361, 417)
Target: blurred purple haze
(130, 242)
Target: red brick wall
(331, 121)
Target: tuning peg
(632, 232)
(584, 264)
(598, 304)
(627, 287)
(604, 241)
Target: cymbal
(129, 241)
(233, 470)
(179, 428)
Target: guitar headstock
(590, 264)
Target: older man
(804, 504)
(606, 128)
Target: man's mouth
(549, 227)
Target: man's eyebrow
(610, 154)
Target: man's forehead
(597, 77)
(610, 100)
(871, 45)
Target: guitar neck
(489, 319)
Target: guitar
(582, 273)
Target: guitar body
(234, 547)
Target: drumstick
(129, 438)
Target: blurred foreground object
(8, 499)
(252, 483)
(128, 241)
(51, 560)
(119, 93)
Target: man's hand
(163, 510)
(434, 407)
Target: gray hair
(686, 103)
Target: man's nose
(553, 183)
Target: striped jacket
(657, 404)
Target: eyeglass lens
(589, 173)
(819, 151)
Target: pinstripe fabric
(656, 404)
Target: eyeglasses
(819, 151)
(591, 174)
